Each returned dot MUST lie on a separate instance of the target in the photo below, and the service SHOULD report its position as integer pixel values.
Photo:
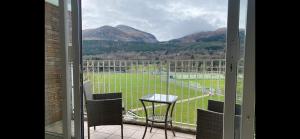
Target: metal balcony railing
(193, 81)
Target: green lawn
(136, 84)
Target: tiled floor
(130, 132)
(133, 132)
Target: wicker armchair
(103, 109)
(210, 122)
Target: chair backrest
(113, 95)
(209, 124)
(102, 109)
(218, 106)
(87, 91)
(104, 112)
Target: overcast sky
(166, 19)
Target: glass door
(57, 70)
(232, 80)
(54, 72)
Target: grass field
(135, 85)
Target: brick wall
(53, 65)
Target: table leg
(171, 118)
(172, 128)
(152, 115)
(166, 121)
(146, 119)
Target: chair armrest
(104, 112)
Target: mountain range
(108, 39)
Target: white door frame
(232, 56)
(248, 107)
(66, 84)
(77, 69)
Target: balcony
(193, 81)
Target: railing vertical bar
(224, 74)
(131, 76)
(109, 76)
(143, 86)
(120, 80)
(210, 83)
(98, 76)
(168, 77)
(198, 81)
(155, 73)
(87, 70)
(161, 92)
(203, 82)
(219, 78)
(93, 82)
(149, 77)
(175, 86)
(126, 88)
(189, 91)
(182, 72)
(115, 85)
(155, 76)
(195, 90)
(137, 84)
(103, 68)
(120, 77)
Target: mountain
(217, 35)
(139, 35)
(118, 33)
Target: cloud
(166, 19)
